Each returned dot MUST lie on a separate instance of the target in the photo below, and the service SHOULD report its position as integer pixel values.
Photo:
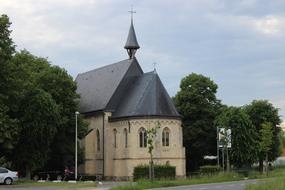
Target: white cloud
(269, 25)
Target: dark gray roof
(123, 89)
(96, 87)
(146, 97)
(132, 42)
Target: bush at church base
(160, 172)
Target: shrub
(160, 172)
(209, 169)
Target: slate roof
(123, 89)
(146, 97)
(96, 87)
(132, 42)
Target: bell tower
(132, 44)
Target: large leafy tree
(8, 125)
(266, 137)
(244, 147)
(37, 73)
(260, 112)
(27, 78)
(197, 103)
(62, 88)
(39, 118)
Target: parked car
(7, 177)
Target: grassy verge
(275, 184)
(145, 184)
(29, 183)
(221, 177)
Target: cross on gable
(154, 66)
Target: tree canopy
(260, 112)
(197, 103)
(244, 147)
(37, 108)
(8, 125)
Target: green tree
(266, 140)
(261, 111)
(244, 147)
(6, 43)
(197, 103)
(62, 88)
(39, 119)
(24, 75)
(8, 125)
(151, 135)
(36, 72)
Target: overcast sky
(240, 44)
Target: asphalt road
(236, 185)
(11, 187)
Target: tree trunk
(260, 165)
(266, 167)
(151, 170)
(28, 172)
(228, 160)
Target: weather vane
(132, 11)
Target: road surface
(236, 185)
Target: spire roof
(132, 42)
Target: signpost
(224, 142)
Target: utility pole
(218, 151)
(223, 158)
(75, 169)
(228, 160)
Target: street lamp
(75, 169)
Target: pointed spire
(132, 44)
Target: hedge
(209, 169)
(160, 172)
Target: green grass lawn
(221, 177)
(274, 184)
(64, 184)
(145, 184)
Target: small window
(98, 140)
(126, 137)
(115, 138)
(143, 138)
(165, 137)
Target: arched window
(98, 140)
(115, 138)
(165, 137)
(126, 137)
(143, 138)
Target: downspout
(103, 145)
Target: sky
(239, 44)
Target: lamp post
(75, 169)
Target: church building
(120, 103)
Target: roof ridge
(105, 66)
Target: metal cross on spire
(154, 66)
(132, 12)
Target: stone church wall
(120, 159)
(125, 159)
